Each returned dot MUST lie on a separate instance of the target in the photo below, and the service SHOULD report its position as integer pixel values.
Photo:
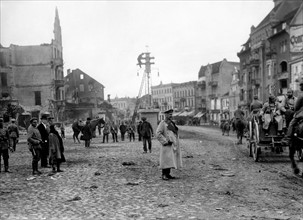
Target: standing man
(298, 114)
(43, 128)
(87, 133)
(34, 141)
(147, 133)
(106, 129)
(170, 153)
(131, 132)
(114, 131)
(139, 127)
(4, 145)
(122, 131)
(289, 106)
(13, 133)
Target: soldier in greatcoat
(170, 152)
(13, 133)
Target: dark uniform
(4, 145)
(44, 132)
(13, 134)
(147, 133)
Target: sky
(104, 38)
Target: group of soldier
(143, 129)
(283, 111)
(44, 143)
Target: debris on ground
(97, 173)
(131, 163)
(76, 198)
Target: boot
(6, 169)
(169, 176)
(35, 169)
(58, 168)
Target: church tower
(57, 41)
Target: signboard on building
(296, 39)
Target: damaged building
(32, 77)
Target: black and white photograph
(151, 110)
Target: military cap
(143, 118)
(88, 119)
(13, 119)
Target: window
(81, 76)
(3, 79)
(283, 66)
(81, 87)
(37, 97)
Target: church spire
(57, 29)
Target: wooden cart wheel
(250, 139)
(256, 150)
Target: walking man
(147, 133)
(13, 133)
(170, 153)
(34, 142)
(43, 128)
(4, 145)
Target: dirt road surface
(219, 181)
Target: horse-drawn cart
(258, 139)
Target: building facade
(33, 75)
(266, 58)
(83, 94)
(162, 97)
(214, 83)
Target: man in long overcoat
(43, 128)
(170, 152)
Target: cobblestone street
(96, 185)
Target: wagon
(258, 140)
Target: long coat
(56, 149)
(170, 156)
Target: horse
(296, 145)
(93, 124)
(240, 126)
(225, 127)
(77, 127)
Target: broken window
(37, 97)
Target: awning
(191, 113)
(199, 115)
(176, 113)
